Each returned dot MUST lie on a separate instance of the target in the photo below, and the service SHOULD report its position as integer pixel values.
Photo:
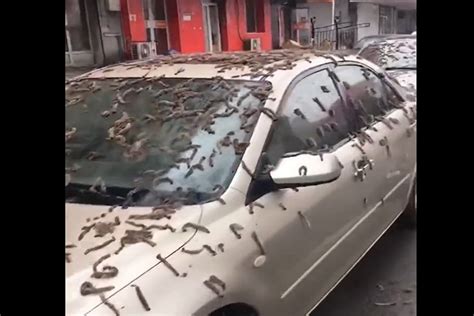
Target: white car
(230, 184)
(397, 56)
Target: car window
(365, 94)
(312, 117)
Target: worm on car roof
(105, 244)
(167, 264)
(195, 226)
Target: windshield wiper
(79, 193)
(400, 68)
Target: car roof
(273, 66)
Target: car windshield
(143, 141)
(392, 53)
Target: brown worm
(142, 226)
(141, 297)
(359, 147)
(302, 171)
(99, 261)
(105, 244)
(208, 248)
(109, 305)
(87, 289)
(213, 288)
(192, 252)
(85, 230)
(259, 244)
(305, 219)
(321, 106)
(107, 273)
(165, 227)
(235, 228)
(195, 226)
(282, 206)
(167, 264)
(220, 247)
(217, 281)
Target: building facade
(312, 21)
(93, 32)
(100, 32)
(189, 26)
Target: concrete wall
(342, 9)
(322, 12)
(368, 13)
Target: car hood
(131, 262)
(406, 78)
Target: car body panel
(406, 78)
(144, 256)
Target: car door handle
(361, 167)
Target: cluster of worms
(197, 103)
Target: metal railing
(336, 35)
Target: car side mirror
(306, 169)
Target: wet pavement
(382, 284)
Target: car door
(388, 123)
(303, 227)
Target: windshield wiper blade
(78, 192)
(400, 68)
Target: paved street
(386, 275)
